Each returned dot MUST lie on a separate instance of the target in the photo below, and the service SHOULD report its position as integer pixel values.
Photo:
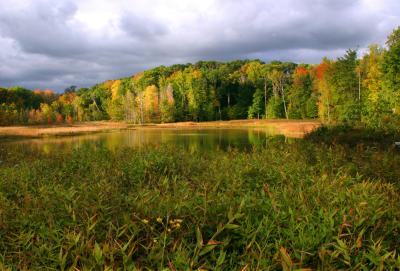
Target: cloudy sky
(55, 44)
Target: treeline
(347, 90)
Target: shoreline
(291, 128)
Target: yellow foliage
(372, 81)
(196, 74)
(151, 98)
(115, 89)
(108, 84)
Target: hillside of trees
(350, 89)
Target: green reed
(287, 206)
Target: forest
(351, 89)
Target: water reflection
(191, 139)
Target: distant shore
(292, 128)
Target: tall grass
(287, 206)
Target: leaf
(98, 254)
(127, 244)
(221, 258)
(230, 215)
(62, 257)
(207, 249)
(92, 225)
(213, 242)
(199, 237)
(287, 261)
(342, 244)
(231, 226)
(171, 266)
(359, 239)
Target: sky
(48, 44)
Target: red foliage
(321, 69)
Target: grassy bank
(288, 206)
(37, 131)
(353, 136)
(291, 128)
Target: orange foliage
(67, 98)
(48, 92)
(196, 74)
(137, 76)
(301, 71)
(107, 84)
(59, 118)
(70, 120)
(321, 69)
(35, 116)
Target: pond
(190, 139)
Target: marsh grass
(353, 136)
(288, 206)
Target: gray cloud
(141, 28)
(44, 28)
(54, 44)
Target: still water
(190, 139)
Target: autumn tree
(167, 104)
(150, 105)
(375, 106)
(324, 90)
(300, 96)
(278, 101)
(391, 75)
(339, 89)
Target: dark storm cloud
(54, 44)
(141, 28)
(264, 28)
(43, 28)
